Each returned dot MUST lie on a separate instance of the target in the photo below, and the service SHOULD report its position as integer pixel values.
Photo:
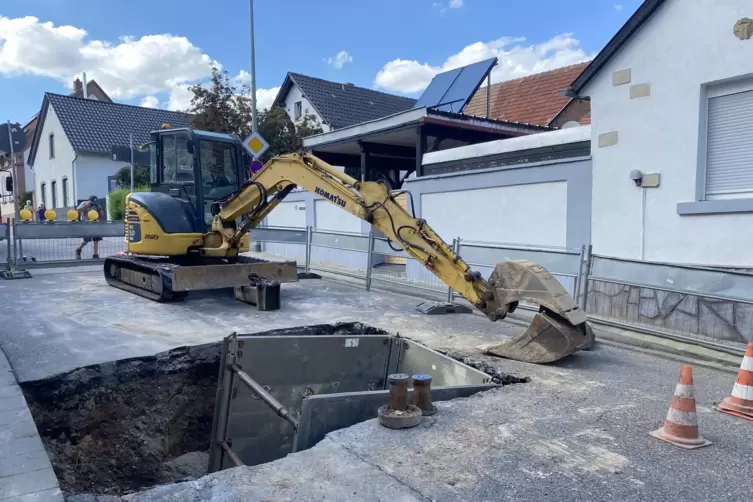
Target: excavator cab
(196, 169)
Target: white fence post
(369, 259)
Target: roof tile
(343, 105)
(97, 126)
(534, 99)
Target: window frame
(297, 110)
(51, 145)
(65, 191)
(703, 205)
(43, 189)
(53, 193)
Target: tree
(225, 107)
(141, 176)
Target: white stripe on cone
(682, 417)
(684, 391)
(742, 392)
(747, 364)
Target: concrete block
(20, 446)
(27, 462)
(10, 390)
(11, 403)
(18, 429)
(13, 416)
(6, 375)
(608, 139)
(621, 77)
(640, 91)
(12, 487)
(51, 495)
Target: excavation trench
(127, 425)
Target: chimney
(84, 85)
(77, 86)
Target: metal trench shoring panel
(293, 368)
(289, 368)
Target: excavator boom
(557, 330)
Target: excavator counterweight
(207, 220)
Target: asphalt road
(577, 431)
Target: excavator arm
(557, 330)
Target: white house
(672, 94)
(336, 105)
(71, 152)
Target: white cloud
(127, 68)
(339, 60)
(442, 6)
(149, 102)
(515, 60)
(618, 7)
(264, 97)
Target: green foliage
(225, 107)
(140, 176)
(24, 197)
(116, 200)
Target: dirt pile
(122, 426)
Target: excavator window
(177, 159)
(219, 172)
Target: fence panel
(709, 305)
(6, 245)
(564, 264)
(279, 243)
(411, 275)
(340, 253)
(45, 245)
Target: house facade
(336, 105)
(26, 175)
(672, 94)
(71, 149)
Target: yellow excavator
(192, 230)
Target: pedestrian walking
(83, 210)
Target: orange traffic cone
(740, 403)
(681, 426)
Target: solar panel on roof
(450, 91)
(437, 88)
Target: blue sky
(391, 45)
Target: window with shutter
(729, 146)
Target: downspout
(73, 179)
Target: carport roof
(399, 129)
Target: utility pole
(16, 194)
(253, 71)
(130, 143)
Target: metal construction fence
(708, 306)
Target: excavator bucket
(557, 330)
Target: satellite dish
(570, 124)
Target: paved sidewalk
(26, 473)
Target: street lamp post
(253, 71)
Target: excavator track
(148, 278)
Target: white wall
(334, 218)
(295, 95)
(92, 172)
(48, 169)
(288, 214)
(520, 214)
(685, 45)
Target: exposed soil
(115, 427)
